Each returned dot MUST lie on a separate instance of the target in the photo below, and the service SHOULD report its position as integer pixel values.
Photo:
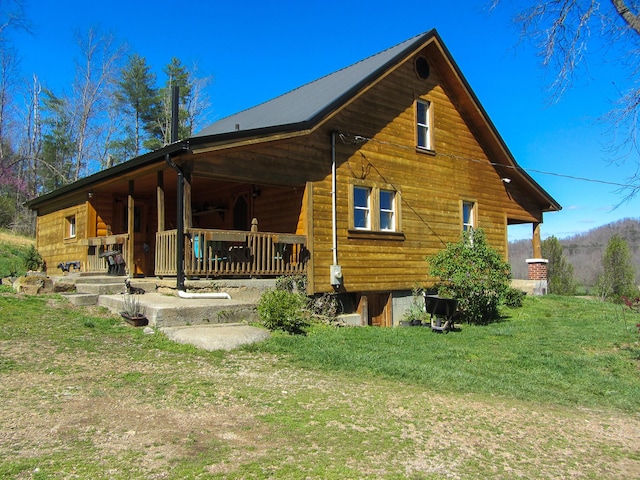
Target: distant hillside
(583, 251)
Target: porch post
(535, 241)
(130, 229)
(537, 266)
(188, 217)
(160, 200)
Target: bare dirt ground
(255, 416)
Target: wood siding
(53, 241)
(432, 185)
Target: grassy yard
(551, 391)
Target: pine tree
(137, 95)
(58, 145)
(559, 270)
(177, 76)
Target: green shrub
(292, 283)
(618, 276)
(32, 259)
(475, 274)
(513, 297)
(283, 310)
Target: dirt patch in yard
(249, 415)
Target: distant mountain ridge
(584, 251)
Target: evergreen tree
(559, 270)
(137, 95)
(618, 277)
(58, 146)
(177, 76)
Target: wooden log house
(352, 179)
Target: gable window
(70, 227)
(374, 208)
(468, 215)
(423, 125)
(362, 208)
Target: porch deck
(213, 253)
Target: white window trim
(366, 209)
(374, 209)
(424, 125)
(473, 215)
(71, 226)
(394, 225)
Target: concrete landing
(216, 337)
(172, 311)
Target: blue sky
(256, 50)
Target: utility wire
(357, 139)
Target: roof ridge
(323, 78)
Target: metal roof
(312, 101)
(298, 110)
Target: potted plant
(415, 315)
(133, 311)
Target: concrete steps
(162, 306)
(171, 311)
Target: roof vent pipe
(175, 91)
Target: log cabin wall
(279, 209)
(103, 205)
(431, 185)
(55, 240)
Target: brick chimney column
(537, 268)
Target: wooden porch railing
(211, 253)
(99, 245)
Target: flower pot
(135, 320)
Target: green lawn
(550, 391)
(563, 350)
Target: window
(70, 226)
(468, 215)
(423, 124)
(362, 208)
(374, 209)
(387, 210)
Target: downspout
(335, 274)
(179, 224)
(334, 200)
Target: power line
(358, 139)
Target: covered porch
(138, 219)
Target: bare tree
(12, 16)
(562, 31)
(95, 73)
